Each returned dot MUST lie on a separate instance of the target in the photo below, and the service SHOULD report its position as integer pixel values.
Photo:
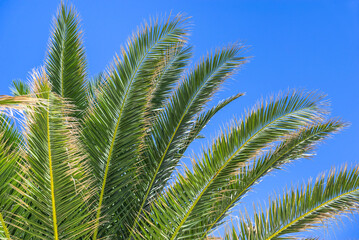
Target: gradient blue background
(301, 44)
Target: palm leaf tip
(10, 105)
(20, 88)
(267, 123)
(96, 158)
(298, 145)
(66, 61)
(120, 106)
(305, 208)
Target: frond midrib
(250, 184)
(216, 174)
(115, 132)
(167, 148)
(7, 234)
(54, 213)
(111, 149)
(310, 212)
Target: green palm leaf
(115, 124)
(93, 87)
(298, 145)
(305, 208)
(10, 143)
(20, 88)
(202, 120)
(168, 134)
(96, 158)
(66, 63)
(167, 73)
(233, 234)
(265, 124)
(55, 186)
(15, 103)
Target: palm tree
(96, 159)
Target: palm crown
(96, 158)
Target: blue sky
(300, 44)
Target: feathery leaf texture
(96, 157)
(10, 144)
(298, 145)
(265, 124)
(169, 133)
(66, 62)
(15, 102)
(20, 88)
(116, 121)
(167, 73)
(55, 179)
(305, 208)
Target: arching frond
(168, 133)
(95, 159)
(167, 73)
(115, 124)
(193, 192)
(305, 208)
(298, 145)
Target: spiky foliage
(55, 184)
(15, 102)
(303, 209)
(10, 144)
(66, 63)
(96, 159)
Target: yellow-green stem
(160, 164)
(104, 182)
(217, 173)
(54, 218)
(110, 153)
(7, 234)
(242, 192)
(308, 213)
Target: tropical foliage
(98, 158)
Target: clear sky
(303, 44)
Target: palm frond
(202, 120)
(305, 208)
(167, 73)
(93, 86)
(298, 145)
(55, 183)
(268, 122)
(20, 88)
(95, 158)
(10, 145)
(66, 62)
(232, 233)
(15, 102)
(169, 130)
(115, 123)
